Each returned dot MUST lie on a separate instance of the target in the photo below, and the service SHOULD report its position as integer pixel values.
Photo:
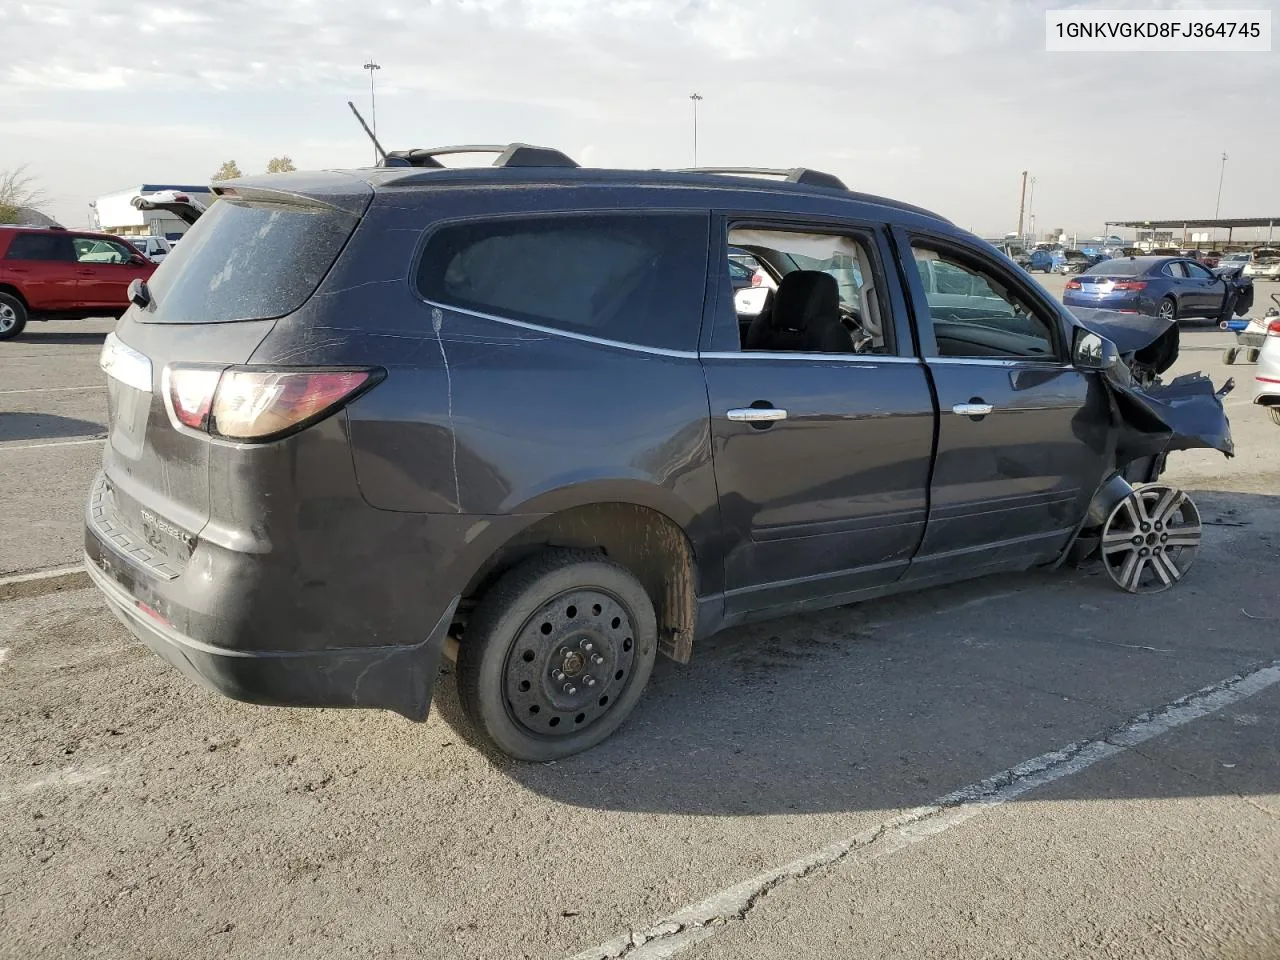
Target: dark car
(1171, 288)
(49, 272)
(355, 414)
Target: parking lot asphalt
(1035, 765)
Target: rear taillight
(1130, 285)
(1073, 284)
(189, 391)
(244, 403)
(1273, 328)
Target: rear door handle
(756, 414)
(972, 409)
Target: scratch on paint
(437, 321)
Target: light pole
(695, 97)
(1218, 206)
(373, 102)
(1031, 208)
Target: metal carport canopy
(1194, 222)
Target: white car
(1266, 378)
(154, 248)
(1264, 264)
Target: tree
(229, 170)
(18, 191)
(280, 165)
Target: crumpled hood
(1151, 341)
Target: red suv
(53, 272)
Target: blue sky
(937, 103)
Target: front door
(105, 272)
(1021, 433)
(822, 428)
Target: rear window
(638, 278)
(1119, 268)
(40, 246)
(248, 260)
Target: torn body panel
(1149, 418)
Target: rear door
(43, 265)
(1208, 290)
(821, 458)
(1019, 454)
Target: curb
(43, 581)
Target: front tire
(557, 655)
(1168, 310)
(13, 316)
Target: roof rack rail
(804, 175)
(509, 155)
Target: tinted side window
(1197, 272)
(1174, 270)
(975, 313)
(634, 278)
(40, 246)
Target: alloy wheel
(1167, 310)
(1151, 539)
(8, 318)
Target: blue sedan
(1171, 288)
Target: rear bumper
(398, 678)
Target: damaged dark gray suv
(357, 417)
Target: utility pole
(695, 97)
(1022, 202)
(1218, 206)
(373, 102)
(1031, 208)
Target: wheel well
(649, 544)
(14, 292)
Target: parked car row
(1172, 288)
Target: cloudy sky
(935, 102)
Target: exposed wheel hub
(1151, 539)
(570, 662)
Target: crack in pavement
(693, 924)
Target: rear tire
(1168, 310)
(557, 655)
(13, 316)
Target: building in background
(115, 212)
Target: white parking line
(51, 443)
(90, 386)
(701, 921)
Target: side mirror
(750, 301)
(1093, 352)
(138, 292)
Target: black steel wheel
(1151, 539)
(1168, 309)
(556, 655)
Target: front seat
(805, 317)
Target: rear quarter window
(636, 278)
(248, 260)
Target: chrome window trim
(1054, 363)
(860, 358)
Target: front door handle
(972, 409)
(756, 414)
